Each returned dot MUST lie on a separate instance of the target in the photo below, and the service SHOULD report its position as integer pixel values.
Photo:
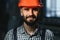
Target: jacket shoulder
(49, 35)
(9, 35)
(49, 32)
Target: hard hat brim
(40, 6)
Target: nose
(30, 12)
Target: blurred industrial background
(10, 17)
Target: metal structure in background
(53, 8)
(58, 8)
(53, 12)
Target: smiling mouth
(30, 19)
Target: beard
(32, 22)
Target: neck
(29, 29)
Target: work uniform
(23, 35)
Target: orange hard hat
(30, 3)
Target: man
(30, 30)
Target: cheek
(23, 13)
(36, 13)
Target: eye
(35, 9)
(26, 9)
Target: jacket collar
(23, 31)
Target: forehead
(31, 7)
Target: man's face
(29, 14)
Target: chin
(30, 23)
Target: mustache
(31, 16)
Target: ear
(21, 12)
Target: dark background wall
(3, 19)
